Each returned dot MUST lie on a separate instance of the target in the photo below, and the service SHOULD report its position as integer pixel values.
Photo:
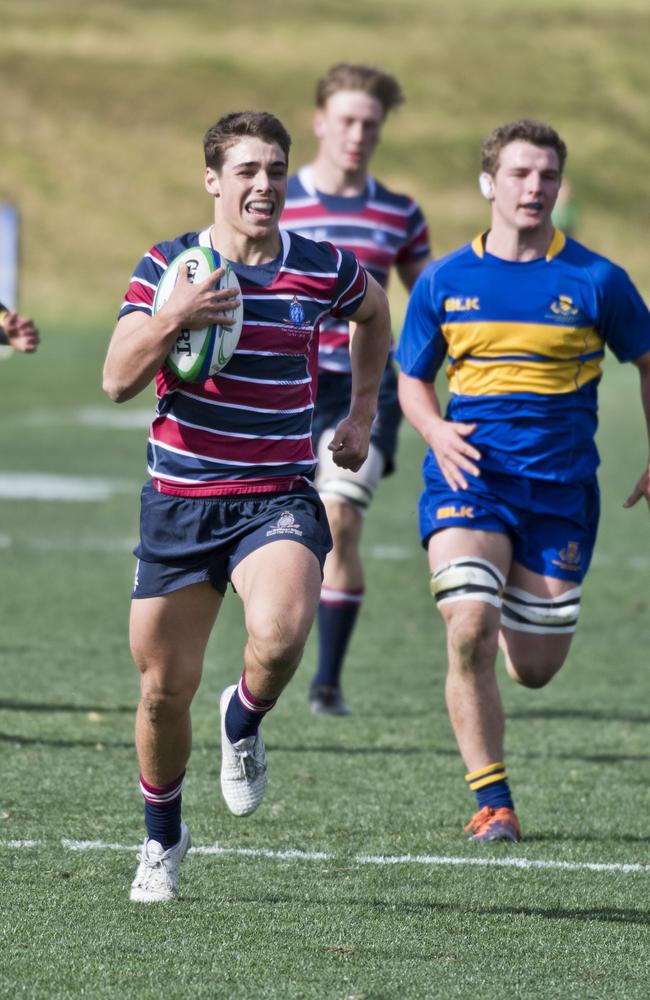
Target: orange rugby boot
(494, 824)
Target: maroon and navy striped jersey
(247, 429)
(380, 227)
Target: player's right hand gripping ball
(198, 354)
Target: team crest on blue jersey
(296, 312)
(563, 306)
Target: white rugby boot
(243, 766)
(156, 880)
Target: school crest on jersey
(563, 307)
(296, 312)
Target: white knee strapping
(356, 488)
(526, 612)
(468, 579)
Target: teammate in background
(336, 199)
(230, 460)
(18, 331)
(510, 503)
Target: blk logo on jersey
(457, 303)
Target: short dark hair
(229, 129)
(525, 130)
(354, 76)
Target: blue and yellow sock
(490, 785)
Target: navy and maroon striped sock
(245, 712)
(162, 810)
(337, 616)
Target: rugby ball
(198, 354)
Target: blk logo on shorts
(462, 510)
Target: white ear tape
(486, 185)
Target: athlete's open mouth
(260, 208)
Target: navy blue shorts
(552, 525)
(333, 405)
(192, 540)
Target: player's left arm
(410, 270)
(642, 488)
(369, 346)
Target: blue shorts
(333, 405)
(552, 525)
(191, 540)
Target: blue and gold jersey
(524, 343)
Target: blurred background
(104, 106)
(103, 109)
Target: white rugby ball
(198, 354)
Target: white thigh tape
(526, 612)
(468, 579)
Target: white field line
(432, 860)
(47, 486)
(105, 417)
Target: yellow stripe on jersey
(495, 378)
(502, 358)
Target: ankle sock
(245, 712)
(162, 810)
(490, 786)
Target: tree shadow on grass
(590, 715)
(597, 914)
(14, 705)
(306, 748)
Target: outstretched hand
(642, 489)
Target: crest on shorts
(570, 557)
(286, 524)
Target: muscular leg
(346, 496)
(533, 658)
(168, 638)
(343, 569)
(280, 587)
(472, 694)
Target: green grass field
(308, 898)
(354, 880)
